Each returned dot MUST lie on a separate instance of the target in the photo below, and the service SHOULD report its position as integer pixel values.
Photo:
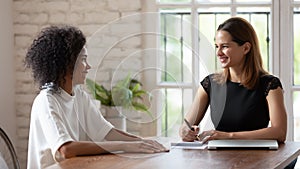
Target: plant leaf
(141, 107)
(135, 87)
(99, 92)
(125, 93)
(133, 83)
(121, 96)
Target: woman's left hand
(213, 135)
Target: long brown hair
(241, 32)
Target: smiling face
(81, 67)
(229, 52)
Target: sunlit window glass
(214, 1)
(176, 60)
(296, 107)
(174, 1)
(176, 102)
(209, 19)
(260, 19)
(253, 1)
(296, 46)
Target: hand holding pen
(189, 125)
(189, 132)
(203, 137)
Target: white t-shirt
(60, 118)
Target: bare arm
(118, 141)
(277, 129)
(195, 115)
(117, 135)
(78, 148)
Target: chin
(79, 82)
(224, 66)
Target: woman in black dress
(246, 102)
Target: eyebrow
(221, 44)
(225, 43)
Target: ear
(247, 47)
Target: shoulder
(48, 100)
(81, 96)
(45, 102)
(268, 77)
(269, 82)
(44, 96)
(206, 82)
(80, 92)
(208, 78)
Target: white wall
(7, 69)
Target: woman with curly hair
(64, 121)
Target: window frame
(281, 54)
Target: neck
(68, 89)
(67, 85)
(235, 76)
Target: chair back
(8, 157)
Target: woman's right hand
(144, 146)
(187, 134)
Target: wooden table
(190, 159)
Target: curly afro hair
(53, 54)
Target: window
(296, 68)
(188, 29)
(187, 54)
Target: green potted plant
(127, 93)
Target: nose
(219, 52)
(88, 66)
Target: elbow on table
(281, 137)
(281, 140)
(66, 150)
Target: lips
(223, 59)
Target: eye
(224, 46)
(83, 59)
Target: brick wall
(111, 28)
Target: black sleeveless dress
(236, 108)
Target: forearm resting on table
(265, 133)
(118, 135)
(117, 140)
(79, 148)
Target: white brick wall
(90, 16)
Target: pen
(188, 124)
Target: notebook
(255, 144)
(189, 145)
